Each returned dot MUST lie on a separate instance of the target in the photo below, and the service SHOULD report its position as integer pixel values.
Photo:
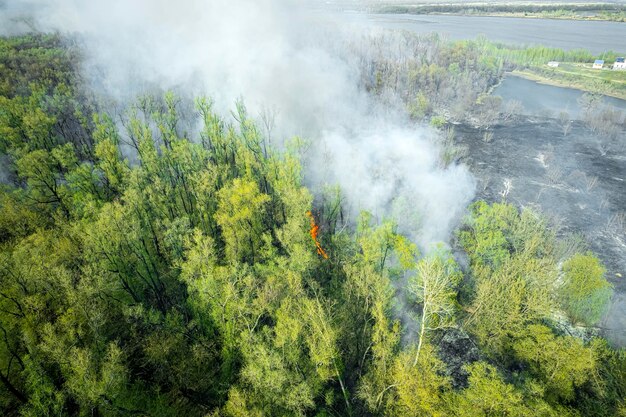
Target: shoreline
(533, 76)
(590, 11)
(508, 15)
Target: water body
(546, 100)
(595, 36)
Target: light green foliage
(563, 363)
(585, 293)
(19, 218)
(418, 389)
(368, 294)
(514, 269)
(516, 291)
(434, 287)
(303, 333)
(437, 122)
(241, 208)
(485, 241)
(108, 154)
(488, 394)
(508, 299)
(608, 393)
(25, 124)
(39, 169)
(420, 107)
(90, 382)
(43, 397)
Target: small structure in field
(598, 64)
(619, 64)
(553, 64)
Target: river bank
(590, 12)
(595, 36)
(612, 88)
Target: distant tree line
(434, 77)
(604, 11)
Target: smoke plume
(275, 54)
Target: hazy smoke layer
(276, 54)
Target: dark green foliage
(35, 58)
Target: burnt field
(578, 180)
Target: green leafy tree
(240, 215)
(563, 363)
(420, 388)
(585, 293)
(434, 287)
(488, 394)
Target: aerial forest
(167, 260)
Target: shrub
(585, 292)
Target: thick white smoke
(275, 54)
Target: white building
(619, 64)
(553, 64)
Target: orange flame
(313, 232)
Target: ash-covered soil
(577, 180)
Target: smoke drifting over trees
(163, 256)
(277, 55)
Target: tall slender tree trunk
(422, 327)
(17, 393)
(343, 389)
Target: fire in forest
(313, 232)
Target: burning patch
(313, 232)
